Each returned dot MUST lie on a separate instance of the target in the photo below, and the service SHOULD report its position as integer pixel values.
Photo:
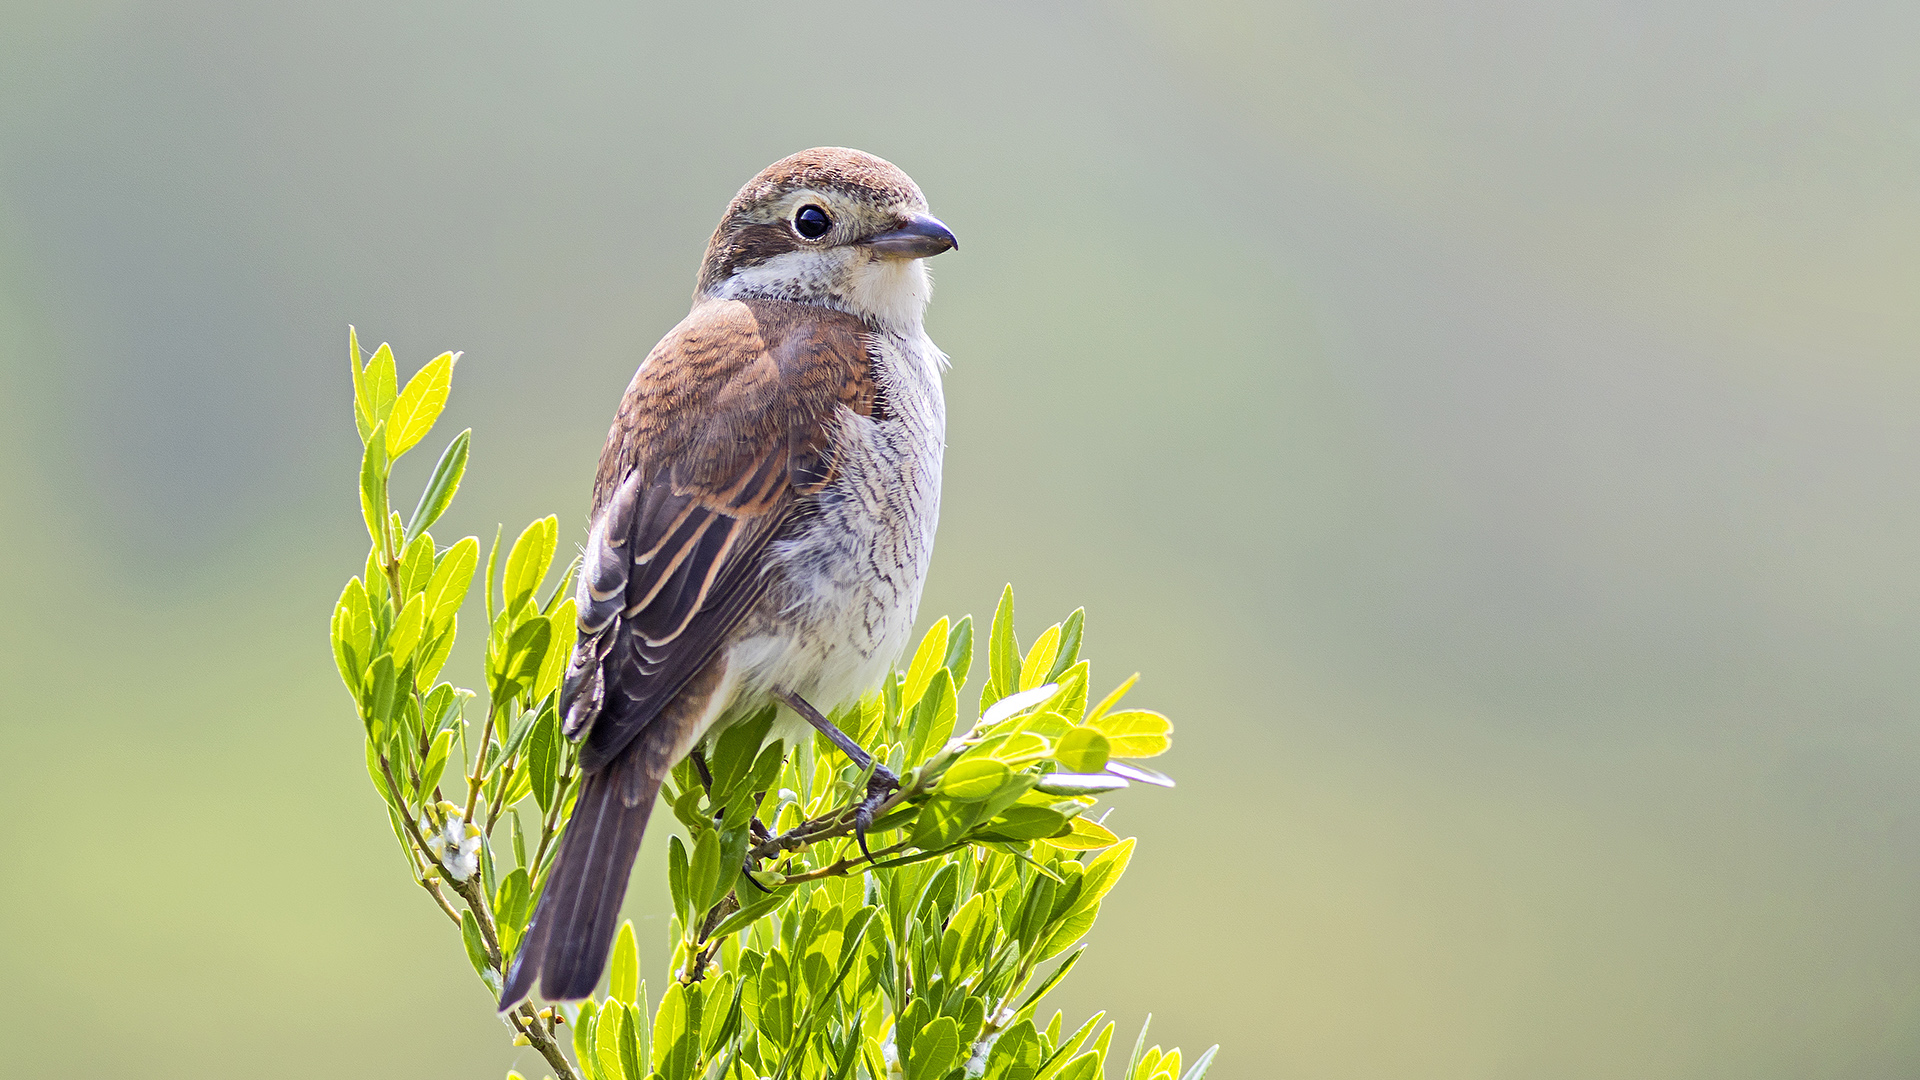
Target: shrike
(762, 517)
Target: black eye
(812, 222)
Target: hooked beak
(920, 236)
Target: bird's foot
(880, 785)
(758, 832)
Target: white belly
(847, 583)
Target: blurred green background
(1493, 428)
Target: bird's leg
(880, 784)
(700, 766)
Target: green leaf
(1039, 662)
(1066, 1049)
(704, 873)
(563, 624)
(1135, 733)
(1200, 1067)
(510, 907)
(1082, 750)
(583, 1024)
(435, 763)
(1047, 722)
(419, 405)
(527, 563)
(734, 754)
(975, 778)
(890, 698)
(416, 567)
(543, 759)
(516, 669)
(936, 1049)
(1070, 634)
(1013, 704)
(382, 695)
(1020, 823)
(441, 708)
(1139, 773)
(926, 660)
(476, 948)
(486, 593)
(1070, 929)
(1086, 836)
(444, 484)
(353, 633)
(1052, 981)
(1016, 1054)
(1084, 1067)
(962, 936)
(632, 1040)
(675, 1043)
(943, 821)
(1101, 874)
(1072, 700)
(1017, 748)
(379, 779)
(849, 1053)
(606, 1040)
(379, 381)
(1003, 653)
(677, 876)
(452, 577)
(933, 718)
(1139, 1048)
(1112, 699)
(1067, 783)
(434, 656)
(734, 842)
(362, 406)
(407, 630)
(959, 659)
(373, 490)
(625, 979)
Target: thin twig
(433, 887)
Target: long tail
(572, 928)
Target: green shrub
(927, 959)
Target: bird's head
(829, 226)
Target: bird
(762, 518)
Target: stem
(826, 827)
(413, 827)
(843, 866)
(477, 778)
(433, 888)
(524, 1018)
(550, 822)
(540, 1036)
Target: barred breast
(850, 569)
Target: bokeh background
(1493, 428)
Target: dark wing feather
(723, 432)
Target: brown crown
(740, 241)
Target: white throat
(891, 294)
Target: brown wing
(722, 435)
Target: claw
(880, 785)
(747, 872)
